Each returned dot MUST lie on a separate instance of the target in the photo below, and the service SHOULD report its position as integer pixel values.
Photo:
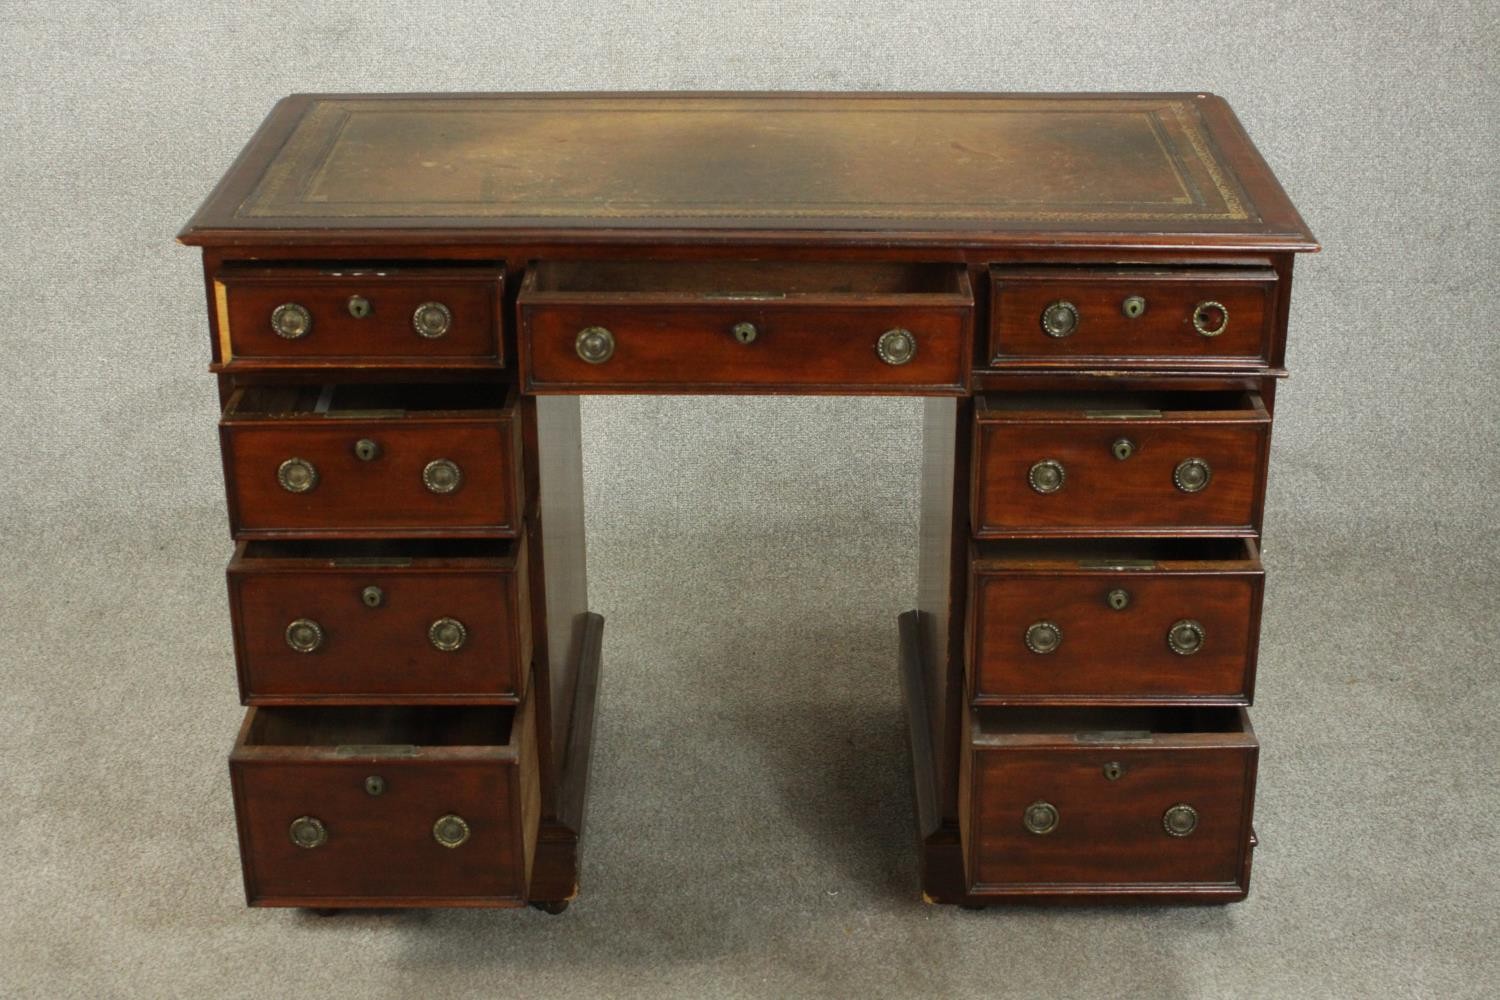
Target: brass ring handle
(447, 634)
(595, 344)
(1043, 637)
(431, 320)
(1186, 637)
(896, 346)
(297, 475)
(291, 321)
(1040, 818)
(304, 635)
(450, 830)
(1180, 820)
(1192, 475)
(1047, 476)
(1206, 313)
(308, 832)
(442, 476)
(1060, 319)
(745, 333)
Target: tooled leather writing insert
(787, 158)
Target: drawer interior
(378, 552)
(745, 279)
(359, 400)
(1116, 553)
(379, 726)
(1122, 404)
(1105, 725)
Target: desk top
(1158, 170)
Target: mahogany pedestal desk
(408, 293)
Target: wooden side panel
(942, 579)
(528, 785)
(560, 569)
(939, 840)
(559, 844)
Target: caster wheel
(552, 906)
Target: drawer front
(1052, 634)
(310, 630)
(1096, 818)
(682, 348)
(364, 849)
(307, 317)
(403, 490)
(746, 326)
(1193, 319)
(1038, 473)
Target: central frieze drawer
(1115, 622)
(746, 326)
(387, 806)
(1108, 801)
(367, 461)
(361, 622)
(1177, 463)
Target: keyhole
(745, 333)
(1113, 770)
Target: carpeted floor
(750, 815)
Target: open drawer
(1133, 802)
(1154, 463)
(387, 806)
(372, 460)
(430, 621)
(291, 316)
(1116, 622)
(752, 326)
(1128, 316)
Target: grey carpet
(750, 813)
